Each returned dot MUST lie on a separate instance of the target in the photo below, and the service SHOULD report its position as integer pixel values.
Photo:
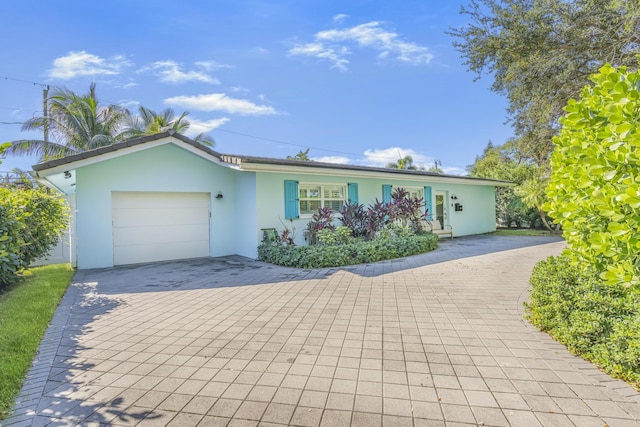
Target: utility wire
(43, 85)
(298, 145)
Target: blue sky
(359, 82)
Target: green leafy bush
(338, 236)
(323, 219)
(31, 222)
(593, 319)
(594, 189)
(358, 252)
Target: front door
(441, 207)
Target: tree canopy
(79, 122)
(76, 123)
(540, 54)
(594, 189)
(302, 156)
(405, 162)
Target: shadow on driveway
(74, 382)
(209, 273)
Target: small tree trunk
(543, 217)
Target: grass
(26, 309)
(521, 232)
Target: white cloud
(221, 102)
(127, 85)
(129, 104)
(212, 65)
(340, 17)
(341, 160)
(171, 72)
(331, 45)
(82, 63)
(334, 55)
(453, 170)
(258, 50)
(197, 126)
(382, 157)
(239, 89)
(386, 42)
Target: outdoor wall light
(67, 174)
(219, 196)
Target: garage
(159, 226)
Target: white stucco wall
(477, 217)
(166, 168)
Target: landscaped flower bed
(358, 252)
(383, 231)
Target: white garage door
(159, 226)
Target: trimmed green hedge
(31, 222)
(359, 252)
(595, 320)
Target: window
(415, 192)
(315, 196)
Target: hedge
(593, 319)
(31, 222)
(359, 252)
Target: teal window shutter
(427, 202)
(291, 206)
(386, 193)
(352, 190)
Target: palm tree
(405, 162)
(149, 122)
(436, 167)
(76, 123)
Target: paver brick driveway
(436, 339)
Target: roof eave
(258, 164)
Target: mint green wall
(166, 168)
(247, 234)
(478, 215)
(252, 200)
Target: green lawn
(25, 312)
(521, 232)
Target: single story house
(165, 197)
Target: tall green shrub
(31, 222)
(597, 321)
(594, 188)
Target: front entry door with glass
(441, 207)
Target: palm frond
(44, 150)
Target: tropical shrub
(354, 217)
(593, 319)
(31, 222)
(383, 231)
(588, 298)
(377, 218)
(319, 221)
(357, 252)
(594, 188)
(338, 236)
(404, 210)
(4, 147)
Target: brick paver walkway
(431, 340)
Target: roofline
(257, 164)
(122, 145)
(254, 163)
